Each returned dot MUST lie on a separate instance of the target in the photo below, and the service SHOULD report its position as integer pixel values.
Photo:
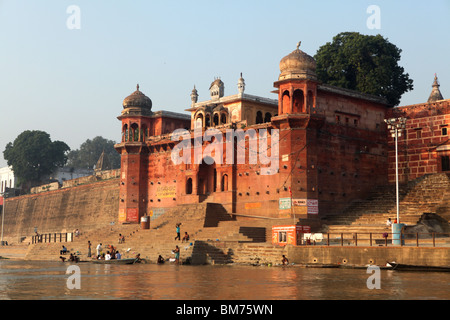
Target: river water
(20, 280)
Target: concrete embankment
(369, 255)
(228, 252)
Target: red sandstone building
(331, 148)
(424, 146)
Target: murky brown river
(48, 280)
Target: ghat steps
(215, 237)
(427, 194)
(218, 237)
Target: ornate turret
(241, 85)
(217, 89)
(297, 83)
(194, 96)
(297, 65)
(137, 100)
(435, 92)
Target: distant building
(424, 146)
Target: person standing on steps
(89, 249)
(178, 231)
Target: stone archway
(207, 176)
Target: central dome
(137, 100)
(298, 65)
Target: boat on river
(409, 267)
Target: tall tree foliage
(33, 156)
(90, 151)
(368, 64)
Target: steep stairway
(427, 194)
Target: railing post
(356, 239)
(328, 239)
(342, 239)
(434, 242)
(417, 239)
(370, 237)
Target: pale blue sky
(71, 83)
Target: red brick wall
(418, 147)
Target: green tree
(33, 156)
(368, 64)
(90, 151)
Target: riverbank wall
(330, 255)
(85, 206)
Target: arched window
(259, 117)
(285, 100)
(267, 117)
(125, 133)
(189, 186)
(207, 120)
(223, 118)
(297, 103)
(224, 184)
(216, 119)
(144, 133)
(199, 121)
(134, 134)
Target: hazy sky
(71, 82)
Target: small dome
(298, 65)
(137, 100)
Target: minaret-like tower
(194, 96)
(241, 85)
(297, 83)
(217, 89)
(136, 127)
(435, 92)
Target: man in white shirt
(99, 249)
(107, 256)
(388, 223)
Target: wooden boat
(409, 267)
(117, 261)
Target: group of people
(112, 253)
(186, 235)
(176, 252)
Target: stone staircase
(208, 225)
(427, 194)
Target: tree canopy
(33, 156)
(368, 64)
(90, 151)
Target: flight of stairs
(208, 225)
(427, 194)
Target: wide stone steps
(426, 194)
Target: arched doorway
(224, 184)
(189, 186)
(207, 176)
